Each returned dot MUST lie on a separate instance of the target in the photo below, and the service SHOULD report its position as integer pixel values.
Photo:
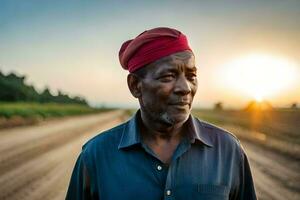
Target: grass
(32, 110)
(21, 114)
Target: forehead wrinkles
(185, 58)
(180, 58)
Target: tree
(13, 88)
(294, 105)
(218, 106)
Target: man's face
(168, 88)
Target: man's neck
(156, 131)
(162, 139)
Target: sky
(73, 46)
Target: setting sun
(259, 76)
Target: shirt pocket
(213, 192)
(202, 192)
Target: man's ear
(134, 84)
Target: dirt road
(276, 176)
(36, 161)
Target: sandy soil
(36, 162)
(276, 177)
(275, 164)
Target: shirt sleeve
(79, 186)
(245, 189)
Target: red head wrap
(151, 45)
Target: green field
(8, 110)
(15, 114)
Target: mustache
(180, 102)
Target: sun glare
(259, 76)
(258, 98)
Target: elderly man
(162, 152)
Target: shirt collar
(131, 134)
(197, 132)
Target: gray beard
(161, 117)
(166, 119)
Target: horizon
(128, 106)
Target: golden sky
(244, 49)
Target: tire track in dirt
(33, 145)
(282, 169)
(276, 177)
(41, 176)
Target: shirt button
(168, 192)
(159, 167)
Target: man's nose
(182, 86)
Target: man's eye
(168, 77)
(192, 77)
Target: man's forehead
(179, 56)
(172, 61)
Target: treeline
(14, 89)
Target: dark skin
(165, 95)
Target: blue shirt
(209, 164)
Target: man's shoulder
(218, 134)
(222, 139)
(107, 138)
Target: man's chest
(195, 174)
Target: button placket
(169, 183)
